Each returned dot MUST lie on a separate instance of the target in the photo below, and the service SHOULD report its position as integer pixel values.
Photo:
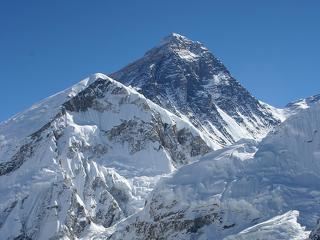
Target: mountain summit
(182, 46)
(184, 77)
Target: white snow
(61, 166)
(282, 227)
(258, 187)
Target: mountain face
(172, 152)
(101, 151)
(185, 78)
(301, 104)
(249, 190)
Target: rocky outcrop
(315, 234)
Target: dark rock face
(17, 160)
(87, 98)
(170, 221)
(170, 226)
(315, 234)
(181, 144)
(184, 77)
(27, 149)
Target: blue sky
(272, 47)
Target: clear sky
(272, 47)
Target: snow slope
(280, 227)
(29, 121)
(89, 159)
(230, 191)
(301, 104)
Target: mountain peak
(175, 38)
(184, 77)
(178, 42)
(180, 46)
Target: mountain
(249, 190)
(301, 104)
(87, 157)
(169, 148)
(187, 79)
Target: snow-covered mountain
(249, 190)
(301, 104)
(87, 156)
(111, 160)
(187, 79)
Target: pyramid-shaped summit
(182, 47)
(177, 41)
(175, 37)
(184, 77)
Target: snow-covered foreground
(240, 190)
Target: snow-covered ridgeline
(64, 177)
(230, 191)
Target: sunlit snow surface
(85, 173)
(247, 186)
(281, 227)
(72, 169)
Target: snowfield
(245, 190)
